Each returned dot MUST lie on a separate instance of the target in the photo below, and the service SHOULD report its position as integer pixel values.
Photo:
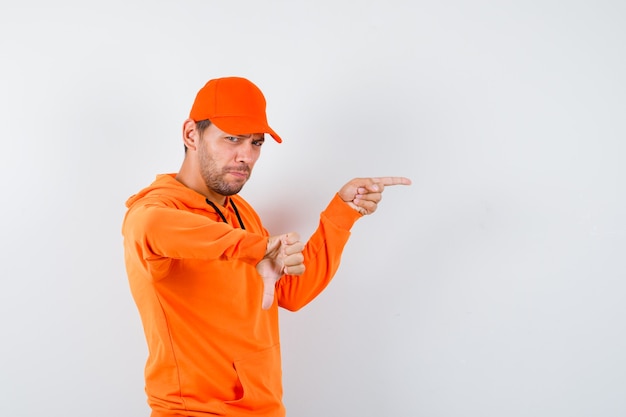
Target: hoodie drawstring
(232, 203)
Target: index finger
(392, 181)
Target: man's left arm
(322, 253)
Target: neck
(186, 177)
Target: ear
(190, 134)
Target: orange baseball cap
(233, 104)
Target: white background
(493, 286)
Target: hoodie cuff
(341, 214)
(254, 248)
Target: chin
(233, 190)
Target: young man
(208, 278)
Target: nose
(246, 153)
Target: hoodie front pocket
(260, 377)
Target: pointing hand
(364, 194)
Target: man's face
(226, 160)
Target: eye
(258, 142)
(232, 138)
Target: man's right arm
(164, 232)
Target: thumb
(290, 238)
(268, 293)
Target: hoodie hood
(165, 186)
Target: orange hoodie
(212, 349)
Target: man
(208, 278)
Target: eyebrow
(250, 136)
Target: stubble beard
(214, 176)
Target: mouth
(239, 174)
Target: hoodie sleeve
(160, 232)
(322, 255)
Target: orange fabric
(212, 349)
(233, 104)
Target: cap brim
(244, 126)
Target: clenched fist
(283, 256)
